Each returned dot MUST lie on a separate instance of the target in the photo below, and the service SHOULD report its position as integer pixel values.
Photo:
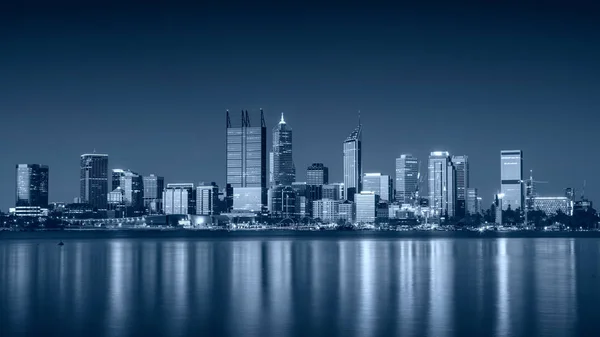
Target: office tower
(283, 201)
(407, 179)
(284, 172)
(247, 164)
(271, 168)
(331, 191)
(353, 163)
(32, 185)
(442, 184)
(472, 205)
(94, 180)
(132, 185)
(317, 174)
(326, 209)
(379, 184)
(206, 199)
(179, 199)
(461, 165)
(366, 206)
(570, 194)
(153, 191)
(552, 205)
(511, 175)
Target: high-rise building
(461, 165)
(153, 191)
(570, 195)
(283, 201)
(366, 206)
(132, 186)
(317, 174)
(353, 163)
(472, 204)
(206, 199)
(247, 164)
(407, 179)
(332, 191)
(442, 184)
(271, 168)
(511, 175)
(179, 199)
(284, 171)
(32, 185)
(94, 180)
(346, 211)
(379, 184)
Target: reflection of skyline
(281, 287)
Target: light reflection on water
(300, 287)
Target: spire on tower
(282, 121)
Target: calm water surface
(297, 285)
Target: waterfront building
(366, 205)
(551, 205)
(283, 202)
(132, 186)
(511, 175)
(379, 184)
(153, 191)
(472, 204)
(407, 179)
(461, 166)
(317, 174)
(246, 164)
(353, 163)
(326, 209)
(442, 184)
(284, 171)
(206, 199)
(346, 211)
(32, 185)
(179, 199)
(332, 191)
(94, 180)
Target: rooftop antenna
(583, 192)
(359, 117)
(247, 119)
(262, 118)
(228, 120)
(243, 119)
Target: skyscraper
(94, 180)
(153, 191)
(511, 175)
(472, 204)
(32, 185)
(247, 164)
(442, 184)
(317, 174)
(407, 178)
(461, 164)
(366, 206)
(132, 185)
(284, 172)
(379, 184)
(353, 163)
(206, 199)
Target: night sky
(150, 86)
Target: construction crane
(530, 192)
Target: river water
(298, 284)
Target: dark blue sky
(149, 86)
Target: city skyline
(424, 79)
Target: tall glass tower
(246, 164)
(511, 179)
(442, 184)
(353, 163)
(32, 185)
(461, 164)
(94, 180)
(407, 178)
(284, 172)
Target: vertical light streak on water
(280, 286)
(117, 290)
(346, 318)
(555, 291)
(179, 281)
(406, 293)
(440, 291)
(204, 273)
(79, 280)
(246, 283)
(149, 274)
(366, 296)
(21, 283)
(503, 306)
